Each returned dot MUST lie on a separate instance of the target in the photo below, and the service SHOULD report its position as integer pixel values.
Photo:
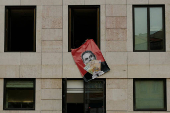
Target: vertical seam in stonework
(20, 66)
(62, 37)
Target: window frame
(64, 92)
(69, 22)
(150, 79)
(148, 27)
(6, 33)
(18, 79)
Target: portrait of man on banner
(90, 60)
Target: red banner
(90, 60)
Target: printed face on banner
(90, 60)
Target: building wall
(51, 62)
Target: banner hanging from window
(90, 60)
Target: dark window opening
(149, 28)
(19, 94)
(84, 23)
(20, 29)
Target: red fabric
(88, 45)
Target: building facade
(134, 42)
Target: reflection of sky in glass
(155, 19)
(140, 21)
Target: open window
(20, 29)
(84, 23)
(84, 97)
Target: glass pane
(19, 84)
(94, 97)
(156, 31)
(75, 96)
(140, 28)
(19, 94)
(19, 98)
(149, 94)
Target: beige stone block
(52, 34)
(39, 18)
(9, 58)
(102, 46)
(138, 58)
(51, 71)
(73, 2)
(51, 2)
(51, 83)
(116, 58)
(167, 26)
(51, 46)
(117, 71)
(94, 2)
(116, 83)
(129, 28)
(116, 112)
(38, 41)
(116, 99)
(159, 2)
(29, 111)
(2, 12)
(51, 105)
(116, 22)
(160, 71)
(52, 11)
(159, 58)
(71, 71)
(137, 1)
(102, 22)
(168, 93)
(115, 1)
(30, 71)
(1, 103)
(51, 94)
(51, 111)
(38, 95)
(115, 10)
(30, 2)
(1, 88)
(117, 46)
(116, 34)
(30, 58)
(68, 59)
(38, 28)
(138, 71)
(51, 58)
(9, 111)
(138, 112)
(130, 94)
(65, 27)
(52, 22)
(9, 71)
(10, 2)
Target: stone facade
(51, 62)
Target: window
(84, 23)
(19, 94)
(84, 97)
(149, 28)
(20, 29)
(149, 94)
